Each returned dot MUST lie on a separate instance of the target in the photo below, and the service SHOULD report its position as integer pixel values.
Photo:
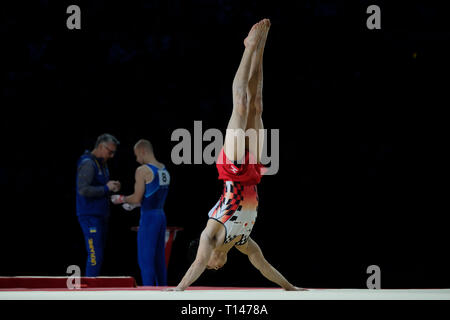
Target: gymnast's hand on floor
(173, 289)
(296, 289)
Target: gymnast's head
(143, 150)
(216, 261)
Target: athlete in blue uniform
(93, 187)
(150, 191)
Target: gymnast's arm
(139, 187)
(256, 257)
(205, 248)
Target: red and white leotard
(238, 205)
(247, 173)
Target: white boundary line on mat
(242, 294)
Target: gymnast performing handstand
(231, 220)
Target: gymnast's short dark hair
(192, 252)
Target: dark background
(363, 173)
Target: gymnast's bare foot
(255, 35)
(265, 26)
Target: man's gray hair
(106, 137)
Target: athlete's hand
(129, 206)
(173, 289)
(293, 288)
(118, 198)
(113, 186)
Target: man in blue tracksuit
(150, 192)
(92, 200)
